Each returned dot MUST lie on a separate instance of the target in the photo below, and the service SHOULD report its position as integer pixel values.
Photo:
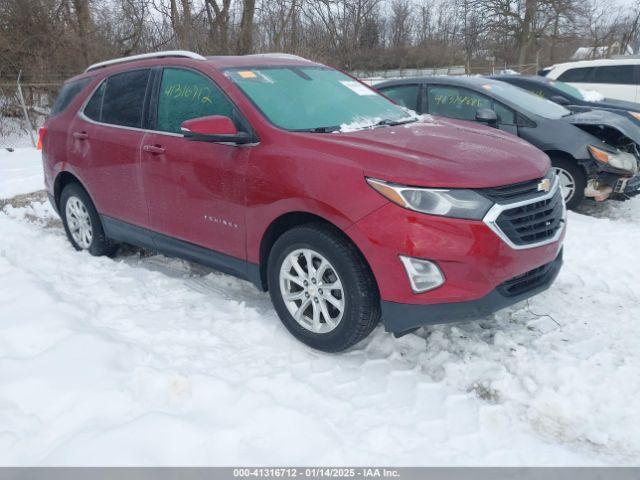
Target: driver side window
(455, 102)
(184, 95)
(463, 104)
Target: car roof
(526, 78)
(462, 81)
(259, 60)
(596, 63)
(219, 62)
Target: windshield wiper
(392, 123)
(334, 128)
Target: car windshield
(316, 99)
(567, 89)
(526, 100)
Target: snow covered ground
(144, 360)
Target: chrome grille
(533, 222)
(530, 222)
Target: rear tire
(573, 180)
(82, 223)
(330, 319)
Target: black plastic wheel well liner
(63, 179)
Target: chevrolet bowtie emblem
(544, 185)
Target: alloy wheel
(567, 183)
(79, 222)
(312, 290)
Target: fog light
(423, 274)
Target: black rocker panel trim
(173, 247)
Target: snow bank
(20, 171)
(143, 360)
(591, 95)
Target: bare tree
(343, 21)
(400, 24)
(84, 26)
(245, 39)
(219, 16)
(280, 21)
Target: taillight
(41, 133)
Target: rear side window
(577, 75)
(405, 95)
(93, 109)
(123, 98)
(68, 92)
(618, 74)
(184, 95)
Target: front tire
(573, 180)
(322, 288)
(82, 223)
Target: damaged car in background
(571, 97)
(595, 153)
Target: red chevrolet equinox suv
(346, 207)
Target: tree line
(51, 39)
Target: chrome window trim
(124, 127)
(494, 212)
(158, 132)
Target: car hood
(613, 103)
(604, 118)
(439, 152)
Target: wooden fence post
(24, 110)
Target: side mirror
(213, 129)
(488, 116)
(560, 100)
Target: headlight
(635, 115)
(456, 203)
(620, 160)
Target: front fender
(557, 135)
(260, 218)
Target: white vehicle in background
(613, 78)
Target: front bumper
(401, 317)
(622, 187)
(627, 186)
(475, 258)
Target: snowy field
(143, 360)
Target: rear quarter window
(616, 74)
(67, 94)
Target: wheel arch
(560, 153)
(288, 221)
(63, 179)
(585, 164)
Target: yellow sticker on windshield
(247, 74)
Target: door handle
(80, 135)
(153, 149)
